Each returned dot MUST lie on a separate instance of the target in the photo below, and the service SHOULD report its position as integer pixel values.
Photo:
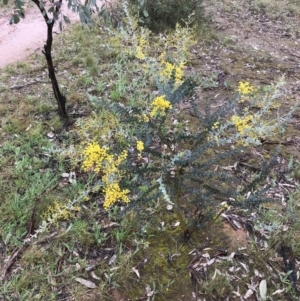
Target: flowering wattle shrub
(138, 150)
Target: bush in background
(160, 15)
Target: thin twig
(12, 258)
(17, 87)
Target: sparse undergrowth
(89, 253)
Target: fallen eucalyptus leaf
(149, 291)
(258, 274)
(86, 283)
(95, 276)
(278, 292)
(210, 262)
(112, 259)
(244, 266)
(232, 269)
(50, 135)
(169, 207)
(136, 272)
(263, 289)
(28, 128)
(248, 294)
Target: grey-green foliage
(159, 15)
(54, 12)
(187, 176)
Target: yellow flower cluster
(140, 146)
(100, 159)
(169, 70)
(215, 125)
(94, 155)
(60, 211)
(114, 193)
(139, 53)
(159, 106)
(142, 118)
(140, 48)
(241, 123)
(245, 88)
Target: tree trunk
(61, 100)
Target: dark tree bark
(61, 100)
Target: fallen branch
(11, 260)
(18, 87)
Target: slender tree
(61, 100)
(55, 11)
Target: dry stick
(277, 142)
(18, 251)
(17, 87)
(60, 261)
(31, 226)
(12, 258)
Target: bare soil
(18, 41)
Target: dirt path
(18, 41)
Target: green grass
(31, 181)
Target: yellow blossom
(159, 106)
(170, 70)
(139, 53)
(245, 88)
(162, 56)
(60, 211)
(101, 160)
(142, 43)
(122, 157)
(140, 146)
(215, 125)
(179, 73)
(145, 118)
(94, 155)
(242, 123)
(142, 118)
(113, 193)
